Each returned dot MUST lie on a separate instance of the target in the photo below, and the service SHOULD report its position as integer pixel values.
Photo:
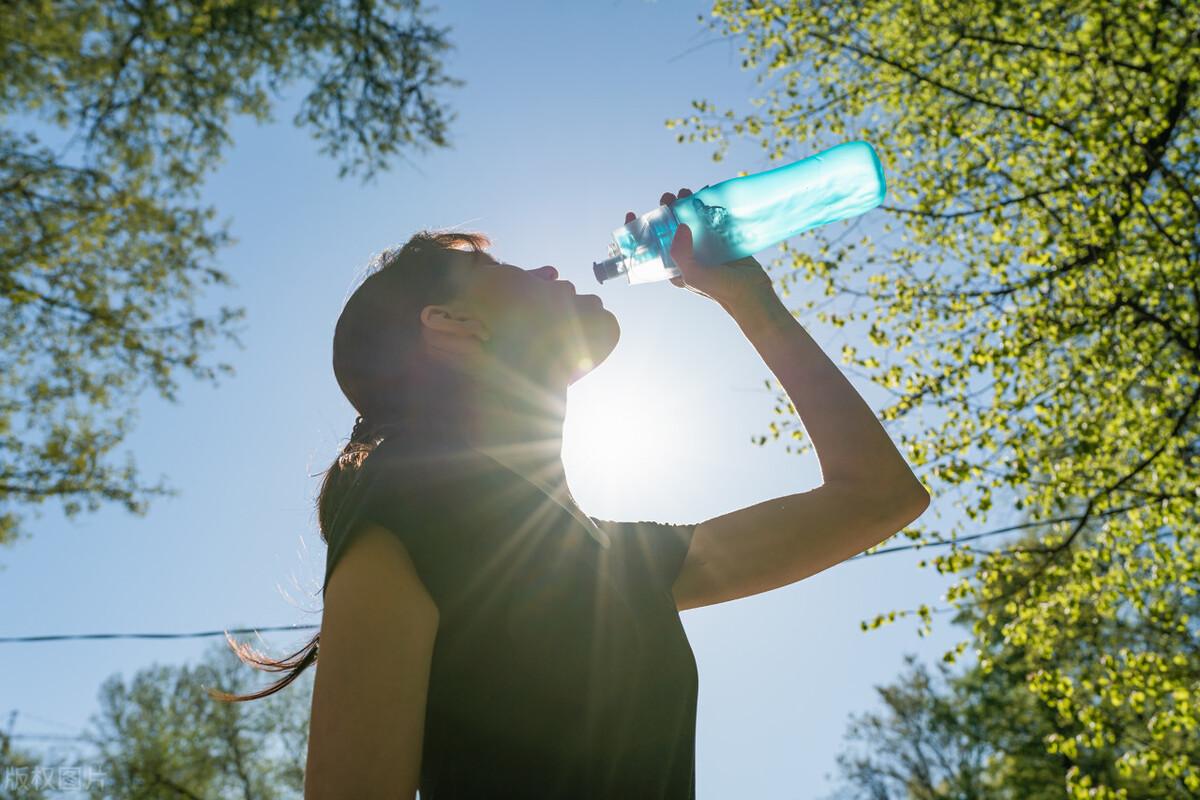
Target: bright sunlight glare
(629, 431)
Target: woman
(482, 637)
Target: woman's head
(440, 308)
(435, 314)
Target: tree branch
(923, 78)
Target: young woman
(484, 638)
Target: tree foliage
(19, 772)
(111, 115)
(983, 734)
(161, 735)
(1039, 285)
(949, 740)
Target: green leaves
(104, 250)
(1040, 266)
(161, 729)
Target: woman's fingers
(666, 200)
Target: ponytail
(338, 479)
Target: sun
(628, 431)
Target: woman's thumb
(681, 244)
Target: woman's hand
(728, 284)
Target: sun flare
(627, 432)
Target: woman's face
(531, 320)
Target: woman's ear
(450, 324)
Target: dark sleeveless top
(560, 667)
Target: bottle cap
(608, 268)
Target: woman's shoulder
(409, 486)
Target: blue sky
(559, 132)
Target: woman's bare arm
(368, 706)
(868, 493)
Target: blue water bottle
(743, 216)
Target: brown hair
(376, 364)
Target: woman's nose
(548, 272)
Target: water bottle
(743, 216)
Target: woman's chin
(595, 356)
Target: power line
(206, 634)
(278, 628)
(45, 737)
(197, 635)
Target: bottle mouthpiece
(608, 268)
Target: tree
(1045, 296)
(18, 776)
(929, 745)
(162, 735)
(104, 247)
(983, 734)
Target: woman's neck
(508, 416)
